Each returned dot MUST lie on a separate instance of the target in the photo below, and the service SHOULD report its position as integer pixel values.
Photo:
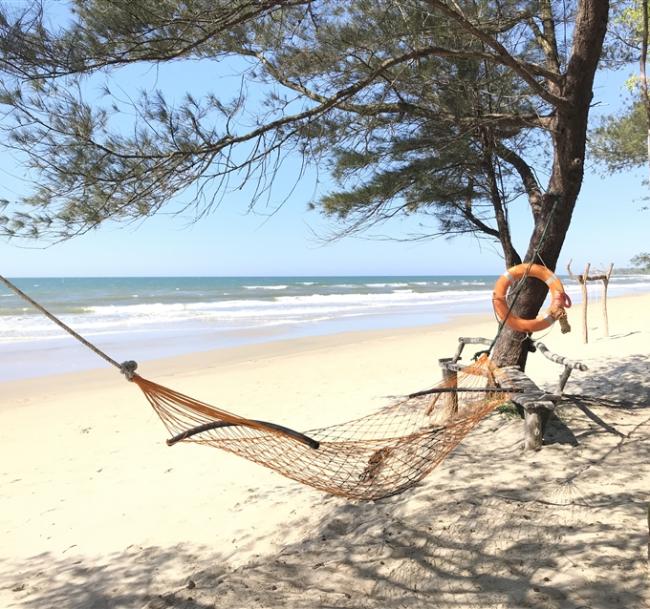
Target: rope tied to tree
(126, 368)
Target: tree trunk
(569, 135)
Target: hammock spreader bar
(219, 424)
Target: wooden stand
(583, 280)
(535, 405)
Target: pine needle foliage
(402, 103)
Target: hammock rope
(125, 367)
(375, 456)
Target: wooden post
(585, 302)
(450, 376)
(536, 405)
(564, 377)
(584, 281)
(605, 285)
(538, 413)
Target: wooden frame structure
(583, 280)
(534, 405)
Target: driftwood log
(535, 405)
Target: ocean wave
(276, 305)
(397, 284)
(397, 296)
(307, 302)
(228, 314)
(161, 308)
(32, 312)
(625, 285)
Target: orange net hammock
(375, 456)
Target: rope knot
(128, 369)
(559, 314)
(530, 345)
(479, 354)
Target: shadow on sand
(565, 528)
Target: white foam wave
(635, 277)
(398, 284)
(266, 287)
(624, 285)
(231, 314)
(267, 310)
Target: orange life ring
(560, 299)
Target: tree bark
(569, 135)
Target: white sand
(96, 511)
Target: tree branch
(546, 39)
(503, 233)
(498, 119)
(58, 66)
(524, 70)
(526, 174)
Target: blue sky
(608, 226)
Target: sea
(148, 317)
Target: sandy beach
(97, 512)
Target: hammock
(375, 456)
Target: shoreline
(196, 363)
(153, 330)
(172, 365)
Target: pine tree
(447, 109)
